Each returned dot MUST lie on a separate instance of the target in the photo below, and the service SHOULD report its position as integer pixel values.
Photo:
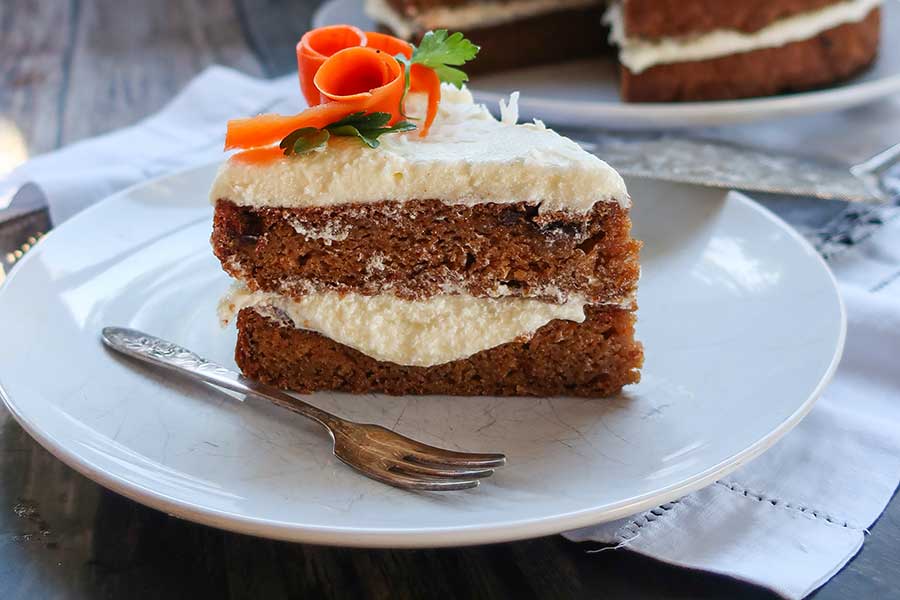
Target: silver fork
(373, 450)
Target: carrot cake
(669, 50)
(432, 250)
(673, 50)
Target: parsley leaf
(370, 136)
(367, 127)
(362, 120)
(304, 140)
(443, 52)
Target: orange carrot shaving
(263, 130)
(343, 71)
(257, 156)
(316, 46)
(363, 75)
(353, 80)
(423, 79)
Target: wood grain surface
(70, 69)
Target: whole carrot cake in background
(669, 50)
(711, 50)
(431, 249)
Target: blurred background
(77, 68)
(73, 69)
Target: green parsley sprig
(439, 50)
(367, 127)
(442, 52)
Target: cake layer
(421, 333)
(552, 37)
(424, 248)
(640, 54)
(823, 60)
(592, 359)
(469, 157)
(666, 18)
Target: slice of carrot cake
(485, 257)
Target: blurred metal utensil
(881, 173)
(22, 224)
(719, 164)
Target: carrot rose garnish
(421, 78)
(364, 75)
(356, 84)
(353, 80)
(316, 46)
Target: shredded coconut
(509, 112)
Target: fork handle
(173, 357)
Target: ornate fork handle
(163, 353)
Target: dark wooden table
(76, 68)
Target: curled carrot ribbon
(316, 46)
(353, 80)
(364, 75)
(422, 79)
(343, 70)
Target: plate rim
(432, 537)
(688, 115)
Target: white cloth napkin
(793, 517)
(190, 130)
(787, 521)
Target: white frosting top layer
(469, 157)
(639, 54)
(421, 333)
(466, 16)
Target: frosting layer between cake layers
(469, 157)
(640, 54)
(420, 333)
(466, 16)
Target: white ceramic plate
(741, 321)
(586, 93)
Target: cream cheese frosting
(420, 333)
(469, 157)
(466, 16)
(639, 54)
